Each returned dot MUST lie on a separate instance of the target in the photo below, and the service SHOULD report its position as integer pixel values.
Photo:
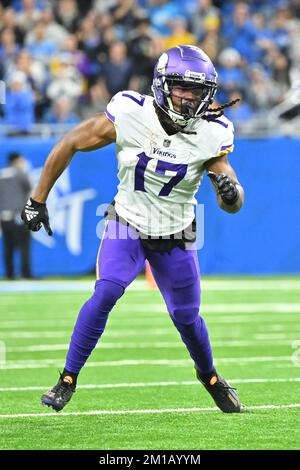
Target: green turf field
(138, 390)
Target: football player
(164, 144)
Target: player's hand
(226, 188)
(35, 214)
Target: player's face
(186, 96)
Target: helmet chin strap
(181, 124)
(179, 121)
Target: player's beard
(169, 126)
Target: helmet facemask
(194, 103)
(197, 96)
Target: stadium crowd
(62, 60)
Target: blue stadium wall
(262, 239)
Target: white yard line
(277, 328)
(274, 336)
(35, 334)
(141, 322)
(156, 308)
(46, 363)
(150, 384)
(49, 286)
(132, 412)
(115, 332)
(163, 321)
(259, 307)
(283, 340)
(112, 332)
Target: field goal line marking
(150, 384)
(149, 411)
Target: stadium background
(61, 61)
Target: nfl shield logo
(167, 143)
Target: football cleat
(222, 393)
(58, 396)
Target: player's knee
(192, 329)
(184, 303)
(106, 295)
(184, 315)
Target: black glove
(225, 187)
(35, 214)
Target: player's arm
(229, 191)
(91, 134)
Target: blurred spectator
(97, 100)
(124, 14)
(19, 106)
(36, 76)
(117, 70)
(34, 70)
(102, 6)
(14, 192)
(29, 15)
(294, 41)
(103, 21)
(239, 32)
(8, 49)
(143, 54)
(295, 7)
(231, 74)
(67, 15)
(2, 10)
(204, 16)
(84, 6)
(179, 34)
(9, 20)
(61, 112)
(78, 58)
(263, 36)
(108, 35)
(280, 28)
(241, 113)
(38, 44)
(55, 32)
(262, 93)
(161, 13)
(89, 41)
(280, 67)
(67, 81)
(210, 42)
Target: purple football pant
(120, 259)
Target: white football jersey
(160, 174)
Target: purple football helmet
(190, 68)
